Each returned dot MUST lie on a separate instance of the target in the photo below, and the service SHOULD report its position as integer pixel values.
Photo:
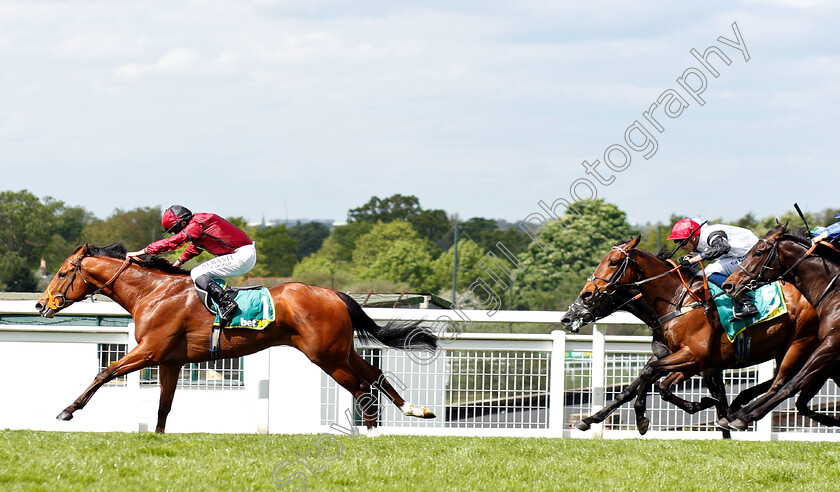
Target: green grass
(117, 461)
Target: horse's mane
(663, 255)
(118, 250)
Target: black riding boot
(224, 299)
(744, 308)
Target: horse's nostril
(39, 306)
(727, 287)
(585, 295)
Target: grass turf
(31, 460)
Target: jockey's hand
(177, 263)
(819, 237)
(688, 260)
(135, 254)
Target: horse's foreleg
(717, 388)
(168, 382)
(626, 395)
(816, 370)
(805, 397)
(138, 358)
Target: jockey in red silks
(235, 252)
(725, 243)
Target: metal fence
(477, 384)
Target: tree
(309, 237)
(486, 233)
(135, 228)
(379, 239)
(557, 270)
(275, 252)
(396, 207)
(25, 224)
(469, 256)
(431, 224)
(15, 274)
(405, 261)
(341, 242)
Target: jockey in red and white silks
(235, 252)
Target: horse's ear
(634, 242)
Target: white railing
(478, 384)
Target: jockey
(235, 252)
(829, 232)
(725, 243)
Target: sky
(308, 108)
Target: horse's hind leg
(168, 382)
(349, 380)
(626, 395)
(138, 358)
(375, 377)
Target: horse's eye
(62, 275)
(756, 254)
(613, 263)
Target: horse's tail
(405, 335)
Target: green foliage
(556, 273)
(469, 255)
(340, 244)
(135, 228)
(431, 224)
(15, 274)
(275, 252)
(486, 233)
(25, 224)
(309, 237)
(396, 207)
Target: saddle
(209, 304)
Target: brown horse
(630, 299)
(173, 328)
(815, 271)
(695, 338)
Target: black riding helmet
(172, 218)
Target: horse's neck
(811, 277)
(664, 293)
(132, 284)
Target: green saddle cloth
(769, 300)
(255, 308)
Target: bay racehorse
(172, 327)
(630, 299)
(815, 270)
(694, 336)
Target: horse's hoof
(643, 424)
(411, 411)
(64, 415)
(723, 423)
(581, 425)
(373, 432)
(738, 424)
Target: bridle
(60, 301)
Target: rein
(756, 281)
(622, 269)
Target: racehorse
(630, 299)
(814, 269)
(172, 327)
(695, 338)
